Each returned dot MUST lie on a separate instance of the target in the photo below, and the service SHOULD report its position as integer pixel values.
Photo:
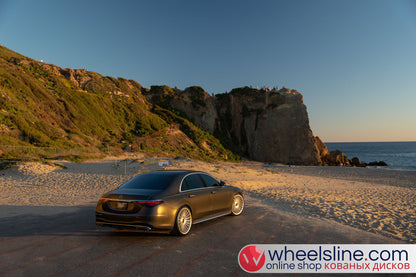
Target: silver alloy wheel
(184, 221)
(238, 204)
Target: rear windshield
(149, 181)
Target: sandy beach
(375, 200)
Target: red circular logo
(251, 258)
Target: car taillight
(103, 200)
(149, 203)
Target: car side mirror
(222, 183)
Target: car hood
(134, 194)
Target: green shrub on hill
(42, 105)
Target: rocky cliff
(47, 106)
(267, 126)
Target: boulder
(357, 163)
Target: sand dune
(367, 199)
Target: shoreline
(399, 155)
(375, 200)
(391, 177)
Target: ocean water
(398, 155)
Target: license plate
(121, 205)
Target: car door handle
(213, 192)
(191, 195)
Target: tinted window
(192, 182)
(209, 181)
(149, 181)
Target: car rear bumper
(134, 222)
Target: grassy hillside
(43, 105)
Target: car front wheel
(183, 222)
(237, 204)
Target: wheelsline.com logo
(251, 258)
(328, 258)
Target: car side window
(209, 181)
(192, 182)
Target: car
(171, 201)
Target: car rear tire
(237, 204)
(183, 222)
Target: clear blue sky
(353, 61)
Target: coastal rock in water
(375, 163)
(357, 163)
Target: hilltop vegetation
(46, 106)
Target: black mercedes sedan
(168, 201)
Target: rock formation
(377, 163)
(337, 157)
(270, 126)
(322, 149)
(194, 102)
(333, 158)
(49, 106)
(267, 126)
(355, 162)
